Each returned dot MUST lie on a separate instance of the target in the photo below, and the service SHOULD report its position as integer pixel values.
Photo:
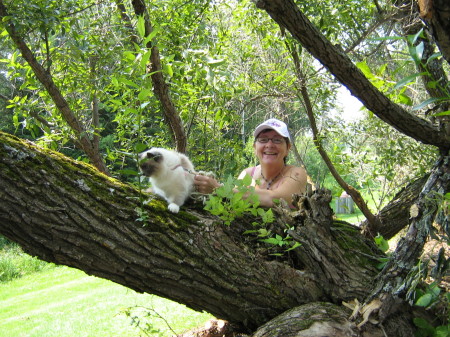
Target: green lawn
(67, 302)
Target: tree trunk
(437, 15)
(68, 213)
(325, 319)
(396, 280)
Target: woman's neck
(271, 172)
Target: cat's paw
(174, 208)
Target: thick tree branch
(393, 282)
(66, 212)
(287, 14)
(436, 14)
(160, 87)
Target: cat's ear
(185, 163)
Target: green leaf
(405, 99)
(127, 172)
(139, 147)
(247, 180)
(271, 241)
(424, 300)
(250, 231)
(407, 80)
(295, 245)
(443, 113)
(442, 331)
(143, 94)
(365, 69)
(382, 243)
(141, 26)
(152, 35)
(426, 102)
(168, 69)
(263, 232)
(424, 325)
(214, 63)
(413, 38)
(434, 56)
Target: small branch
(354, 193)
(95, 112)
(3, 97)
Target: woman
(272, 178)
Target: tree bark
(395, 216)
(395, 281)
(326, 319)
(436, 14)
(68, 213)
(160, 87)
(288, 15)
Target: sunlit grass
(14, 263)
(67, 302)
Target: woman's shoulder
(296, 172)
(250, 171)
(292, 168)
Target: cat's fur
(171, 174)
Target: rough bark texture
(395, 216)
(67, 213)
(395, 280)
(437, 15)
(288, 15)
(325, 319)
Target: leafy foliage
(236, 198)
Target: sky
(350, 105)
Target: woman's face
(270, 152)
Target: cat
(171, 174)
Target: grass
(14, 263)
(354, 218)
(66, 302)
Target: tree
(239, 278)
(188, 257)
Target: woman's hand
(204, 184)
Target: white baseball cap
(274, 124)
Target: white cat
(171, 175)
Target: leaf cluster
(236, 198)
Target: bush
(14, 263)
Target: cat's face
(150, 162)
